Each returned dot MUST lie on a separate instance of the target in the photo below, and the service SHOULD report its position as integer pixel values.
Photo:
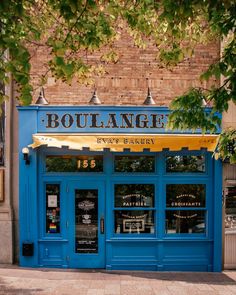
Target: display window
(185, 208)
(134, 209)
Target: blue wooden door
(86, 224)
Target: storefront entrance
(137, 200)
(86, 224)
(126, 210)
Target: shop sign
(117, 142)
(102, 121)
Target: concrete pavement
(25, 281)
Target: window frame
(189, 178)
(206, 209)
(73, 156)
(153, 209)
(51, 151)
(134, 155)
(186, 153)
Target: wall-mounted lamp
(149, 100)
(94, 99)
(41, 99)
(25, 152)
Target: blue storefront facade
(111, 188)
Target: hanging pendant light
(41, 99)
(94, 99)
(149, 100)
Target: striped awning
(133, 142)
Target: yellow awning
(134, 142)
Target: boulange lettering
(108, 121)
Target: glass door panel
(86, 221)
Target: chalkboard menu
(86, 221)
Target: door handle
(102, 225)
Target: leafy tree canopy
(69, 27)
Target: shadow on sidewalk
(224, 278)
(190, 277)
(5, 289)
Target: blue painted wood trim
(28, 215)
(217, 255)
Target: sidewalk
(16, 280)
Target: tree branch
(79, 16)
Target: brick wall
(125, 82)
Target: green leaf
(59, 61)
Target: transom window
(67, 163)
(186, 163)
(134, 164)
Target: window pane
(185, 164)
(53, 208)
(86, 221)
(74, 164)
(134, 222)
(2, 132)
(134, 195)
(134, 164)
(185, 195)
(230, 208)
(185, 221)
